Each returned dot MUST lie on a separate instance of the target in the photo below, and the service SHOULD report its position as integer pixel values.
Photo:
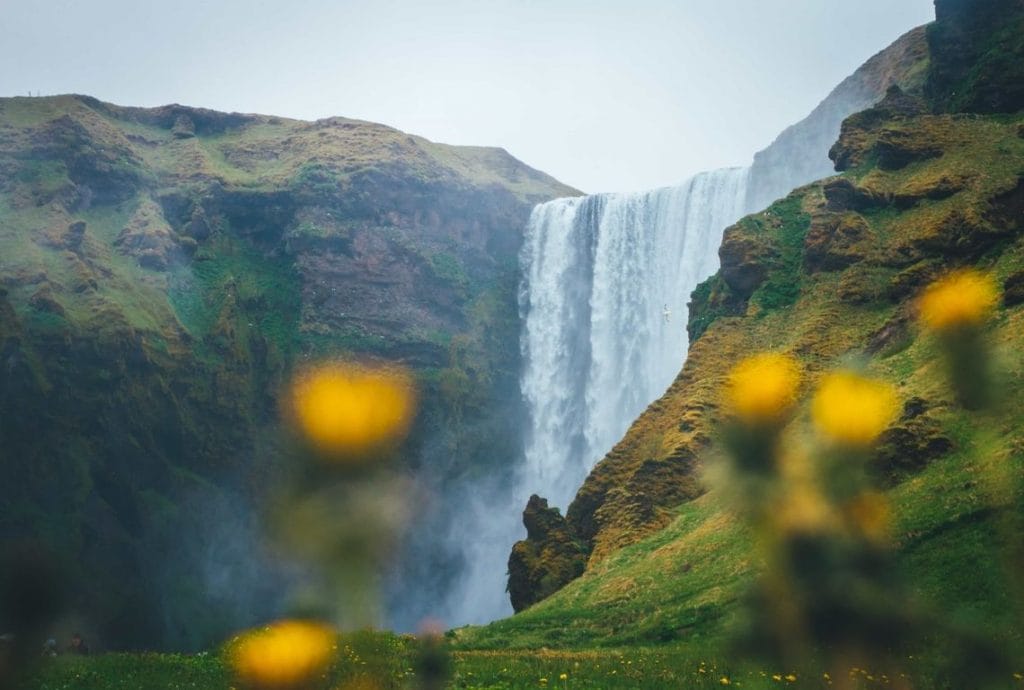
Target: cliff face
(978, 49)
(164, 269)
(799, 155)
(830, 271)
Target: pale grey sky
(605, 96)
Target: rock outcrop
(547, 559)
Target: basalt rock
(1013, 289)
(912, 279)
(183, 127)
(149, 238)
(911, 444)
(860, 133)
(43, 299)
(1006, 210)
(198, 225)
(549, 558)
(745, 261)
(956, 234)
(898, 148)
(836, 241)
(843, 195)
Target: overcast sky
(605, 96)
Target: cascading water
(606, 281)
(604, 287)
(598, 274)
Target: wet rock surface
(549, 558)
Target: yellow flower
(962, 298)
(871, 514)
(804, 509)
(564, 676)
(348, 409)
(852, 410)
(776, 677)
(724, 681)
(762, 388)
(791, 678)
(283, 655)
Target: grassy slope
(682, 583)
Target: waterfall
(598, 274)
(605, 285)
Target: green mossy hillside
(163, 272)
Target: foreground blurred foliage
(389, 662)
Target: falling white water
(598, 274)
(606, 280)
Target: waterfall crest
(603, 299)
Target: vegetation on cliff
(161, 273)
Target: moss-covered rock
(977, 56)
(911, 444)
(549, 558)
(836, 241)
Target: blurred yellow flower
(804, 510)
(724, 681)
(871, 514)
(762, 388)
(349, 409)
(852, 410)
(962, 298)
(284, 655)
(564, 676)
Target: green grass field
(391, 663)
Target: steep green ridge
(161, 273)
(829, 274)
